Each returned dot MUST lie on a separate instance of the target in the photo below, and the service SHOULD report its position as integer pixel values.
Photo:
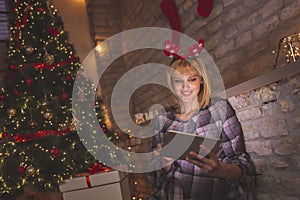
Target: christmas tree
(39, 142)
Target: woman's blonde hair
(192, 67)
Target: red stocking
(205, 7)
(170, 10)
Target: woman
(227, 174)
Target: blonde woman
(226, 174)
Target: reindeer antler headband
(172, 49)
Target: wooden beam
(268, 78)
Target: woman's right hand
(166, 161)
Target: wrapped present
(102, 185)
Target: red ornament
(53, 31)
(21, 169)
(55, 152)
(68, 77)
(104, 129)
(16, 93)
(73, 57)
(13, 67)
(5, 135)
(64, 96)
(79, 77)
(29, 82)
(106, 169)
(2, 97)
(41, 9)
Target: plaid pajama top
(185, 180)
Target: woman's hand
(212, 166)
(166, 161)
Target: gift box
(104, 185)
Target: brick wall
(270, 117)
(241, 37)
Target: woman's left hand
(210, 164)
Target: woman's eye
(193, 79)
(177, 80)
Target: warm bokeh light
(98, 48)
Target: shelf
(268, 78)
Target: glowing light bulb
(98, 48)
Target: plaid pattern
(185, 180)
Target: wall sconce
(291, 45)
(291, 49)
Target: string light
(22, 151)
(98, 48)
(291, 46)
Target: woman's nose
(185, 84)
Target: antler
(196, 49)
(172, 49)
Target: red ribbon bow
(97, 167)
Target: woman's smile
(186, 87)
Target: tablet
(194, 140)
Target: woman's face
(187, 87)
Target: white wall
(74, 17)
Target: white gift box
(105, 185)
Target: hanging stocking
(205, 7)
(170, 10)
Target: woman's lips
(186, 93)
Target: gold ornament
(32, 124)
(47, 115)
(48, 59)
(72, 127)
(30, 170)
(63, 127)
(45, 103)
(11, 112)
(73, 124)
(29, 50)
